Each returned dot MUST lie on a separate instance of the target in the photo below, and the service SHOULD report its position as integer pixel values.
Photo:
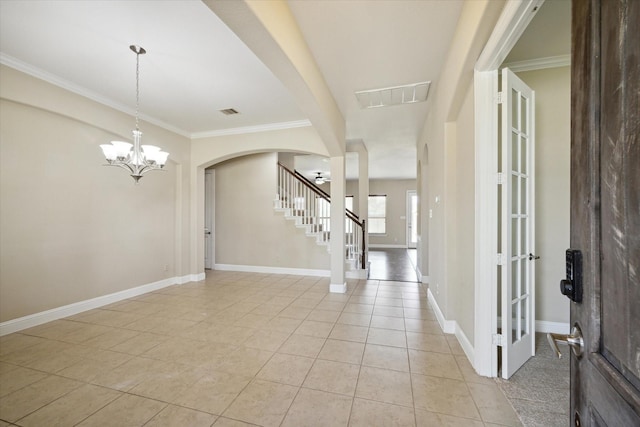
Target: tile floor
(248, 349)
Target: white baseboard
(554, 327)
(383, 246)
(338, 288)
(447, 326)
(21, 323)
(272, 270)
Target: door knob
(574, 340)
(532, 257)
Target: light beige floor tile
(418, 313)
(431, 419)
(349, 333)
(234, 335)
(383, 310)
(140, 343)
(295, 312)
(15, 342)
(16, 378)
(108, 317)
(331, 305)
(416, 303)
(168, 385)
(469, 373)
(387, 337)
(310, 409)
(386, 322)
(360, 299)
(32, 397)
(358, 308)
(324, 316)
(286, 369)
(334, 377)
(266, 340)
(244, 361)
(228, 422)
(251, 320)
(131, 373)
(368, 413)
(88, 369)
(387, 299)
(384, 385)
(262, 402)
(428, 342)
(443, 395)
(342, 351)
(423, 326)
(434, 364)
(127, 410)
(302, 345)
(357, 319)
(455, 346)
(314, 329)
(213, 392)
(48, 356)
(283, 324)
(385, 357)
(304, 302)
(71, 408)
(267, 310)
(493, 405)
(172, 416)
(111, 338)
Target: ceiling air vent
(229, 111)
(396, 95)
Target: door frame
(210, 197)
(409, 222)
(513, 21)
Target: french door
(517, 223)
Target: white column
(337, 243)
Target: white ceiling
(196, 66)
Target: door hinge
(499, 98)
(496, 339)
(500, 178)
(500, 259)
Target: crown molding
(539, 63)
(252, 129)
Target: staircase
(309, 207)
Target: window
(377, 214)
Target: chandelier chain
(137, 88)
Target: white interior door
(518, 223)
(209, 218)
(412, 219)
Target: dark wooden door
(605, 209)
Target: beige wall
(461, 246)
(249, 231)
(553, 147)
(446, 137)
(396, 192)
(70, 228)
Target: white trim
(514, 19)
(425, 279)
(447, 326)
(271, 270)
(36, 319)
(385, 246)
(554, 327)
(465, 343)
(539, 63)
(29, 69)
(252, 129)
(338, 288)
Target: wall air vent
(229, 111)
(396, 95)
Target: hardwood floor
(394, 264)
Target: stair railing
(312, 206)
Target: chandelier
(135, 158)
